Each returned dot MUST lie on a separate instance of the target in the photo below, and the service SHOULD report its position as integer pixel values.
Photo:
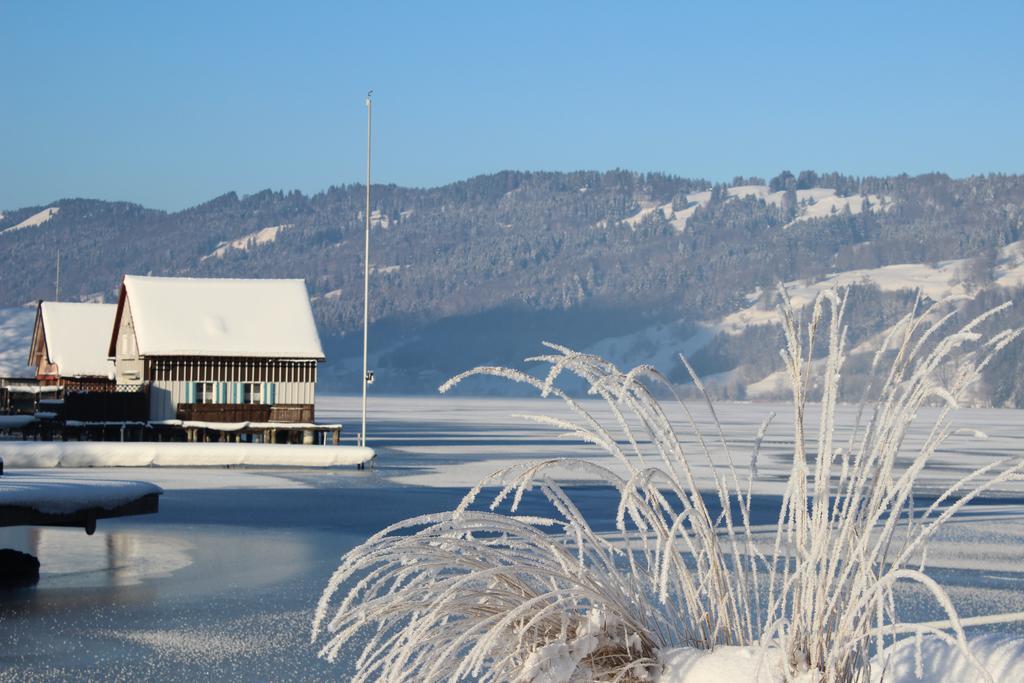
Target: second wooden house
(69, 345)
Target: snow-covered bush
(496, 595)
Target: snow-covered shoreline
(42, 454)
(939, 662)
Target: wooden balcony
(244, 412)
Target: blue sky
(171, 104)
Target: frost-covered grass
(498, 596)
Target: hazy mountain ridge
(482, 270)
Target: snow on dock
(16, 421)
(46, 494)
(36, 454)
(44, 500)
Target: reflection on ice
(108, 558)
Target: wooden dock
(48, 500)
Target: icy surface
(458, 441)
(64, 495)
(221, 583)
(166, 454)
(78, 337)
(222, 317)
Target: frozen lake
(222, 582)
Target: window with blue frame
(204, 392)
(252, 392)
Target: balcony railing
(244, 412)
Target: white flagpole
(366, 264)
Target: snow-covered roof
(77, 336)
(220, 317)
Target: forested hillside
(483, 270)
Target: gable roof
(76, 337)
(219, 317)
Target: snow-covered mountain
(636, 266)
(660, 344)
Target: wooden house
(69, 345)
(224, 351)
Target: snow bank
(62, 496)
(724, 665)
(141, 454)
(944, 663)
(940, 663)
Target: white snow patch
(943, 663)
(33, 221)
(831, 205)
(816, 202)
(379, 219)
(940, 662)
(40, 454)
(726, 664)
(246, 242)
(332, 295)
(677, 218)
